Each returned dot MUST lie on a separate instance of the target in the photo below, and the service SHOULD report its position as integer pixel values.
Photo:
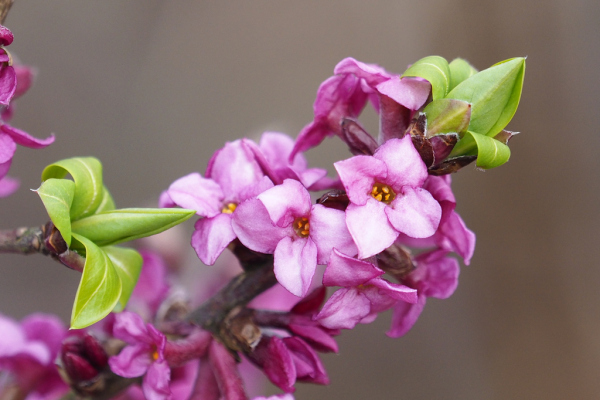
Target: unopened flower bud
(94, 352)
(77, 368)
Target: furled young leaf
(87, 174)
(122, 225)
(460, 70)
(57, 196)
(128, 264)
(447, 116)
(490, 152)
(107, 203)
(99, 289)
(436, 70)
(494, 95)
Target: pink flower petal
(253, 227)
(286, 202)
(8, 83)
(404, 164)
(47, 329)
(358, 174)
(404, 317)
(211, 237)
(7, 149)
(348, 271)
(24, 139)
(309, 367)
(316, 336)
(279, 365)
(8, 186)
(436, 274)
(6, 36)
(344, 309)
(371, 73)
(295, 264)
(412, 93)
(459, 238)
(234, 167)
(156, 381)
(415, 213)
(394, 291)
(226, 372)
(132, 361)
(197, 193)
(130, 328)
(370, 227)
(328, 230)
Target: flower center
(301, 226)
(229, 208)
(155, 355)
(382, 192)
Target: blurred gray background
(153, 88)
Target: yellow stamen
(382, 192)
(155, 355)
(229, 208)
(301, 226)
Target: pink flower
(287, 360)
(436, 276)
(344, 96)
(233, 175)
(28, 351)
(387, 198)
(363, 295)
(14, 81)
(282, 221)
(143, 356)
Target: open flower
(345, 95)
(232, 176)
(363, 295)
(282, 221)
(27, 352)
(436, 276)
(143, 356)
(387, 198)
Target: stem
(23, 241)
(34, 240)
(238, 292)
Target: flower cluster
(384, 232)
(15, 80)
(384, 228)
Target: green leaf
(447, 116)
(460, 70)
(87, 174)
(436, 70)
(494, 95)
(99, 289)
(126, 224)
(107, 203)
(128, 264)
(57, 196)
(490, 152)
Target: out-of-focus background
(152, 88)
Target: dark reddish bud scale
(358, 140)
(337, 199)
(54, 240)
